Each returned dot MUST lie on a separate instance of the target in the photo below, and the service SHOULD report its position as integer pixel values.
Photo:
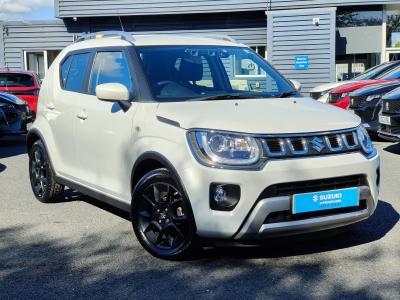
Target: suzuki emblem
(318, 144)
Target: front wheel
(162, 217)
(42, 177)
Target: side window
(110, 67)
(77, 72)
(64, 70)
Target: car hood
(329, 86)
(258, 116)
(376, 89)
(392, 95)
(10, 99)
(355, 86)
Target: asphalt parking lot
(82, 249)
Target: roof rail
(123, 35)
(215, 36)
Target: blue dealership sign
(317, 201)
(301, 62)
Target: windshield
(179, 73)
(16, 80)
(374, 72)
(391, 75)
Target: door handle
(82, 116)
(50, 106)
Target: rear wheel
(162, 217)
(42, 177)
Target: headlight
(220, 149)
(365, 142)
(373, 97)
(324, 92)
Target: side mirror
(296, 84)
(112, 92)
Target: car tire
(162, 217)
(42, 177)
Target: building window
(261, 50)
(359, 16)
(39, 61)
(351, 65)
(393, 26)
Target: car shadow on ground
(393, 148)
(12, 146)
(103, 266)
(2, 168)
(364, 232)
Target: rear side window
(110, 67)
(64, 70)
(16, 80)
(77, 72)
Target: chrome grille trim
(313, 144)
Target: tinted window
(110, 67)
(64, 70)
(16, 80)
(374, 72)
(77, 72)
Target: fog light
(224, 196)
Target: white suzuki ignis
(198, 138)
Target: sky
(26, 9)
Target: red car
(23, 84)
(340, 96)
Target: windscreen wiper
(287, 94)
(227, 97)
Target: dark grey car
(15, 115)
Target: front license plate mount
(326, 200)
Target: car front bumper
(247, 219)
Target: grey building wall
(250, 29)
(290, 4)
(87, 8)
(292, 33)
(35, 35)
(1, 46)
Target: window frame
(133, 92)
(84, 82)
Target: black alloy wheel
(41, 175)
(162, 217)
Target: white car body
(95, 148)
(324, 89)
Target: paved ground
(81, 249)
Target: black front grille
(357, 101)
(391, 107)
(351, 141)
(333, 98)
(315, 95)
(310, 144)
(390, 129)
(309, 186)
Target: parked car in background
(23, 84)
(321, 92)
(163, 129)
(389, 118)
(15, 115)
(340, 96)
(367, 103)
